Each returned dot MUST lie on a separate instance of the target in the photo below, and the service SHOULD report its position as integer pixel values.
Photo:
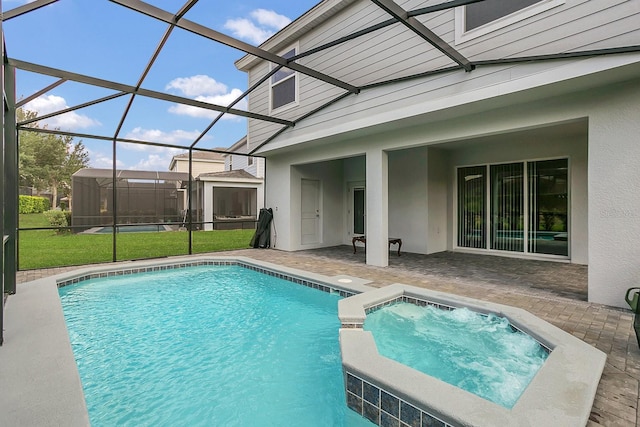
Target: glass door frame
(352, 188)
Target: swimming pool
(135, 228)
(377, 388)
(207, 345)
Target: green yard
(46, 248)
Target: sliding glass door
(516, 207)
(548, 207)
(507, 207)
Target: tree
(47, 161)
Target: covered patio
(554, 279)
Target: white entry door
(310, 207)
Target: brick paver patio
(556, 292)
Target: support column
(377, 208)
(11, 182)
(614, 200)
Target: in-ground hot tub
(390, 393)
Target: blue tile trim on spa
(383, 408)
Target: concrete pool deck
(552, 291)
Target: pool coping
(37, 364)
(561, 393)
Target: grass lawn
(46, 248)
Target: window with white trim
(477, 19)
(283, 84)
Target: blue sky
(105, 40)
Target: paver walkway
(556, 292)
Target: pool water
(477, 353)
(207, 346)
(132, 229)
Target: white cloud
(222, 99)
(205, 89)
(177, 136)
(101, 160)
(151, 158)
(67, 121)
(261, 25)
(246, 30)
(154, 162)
(270, 19)
(197, 86)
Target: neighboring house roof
(238, 147)
(233, 174)
(204, 155)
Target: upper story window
(283, 84)
(477, 19)
(249, 161)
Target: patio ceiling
(135, 91)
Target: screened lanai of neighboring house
(140, 197)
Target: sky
(102, 39)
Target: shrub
(32, 204)
(57, 219)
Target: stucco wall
(438, 168)
(408, 205)
(283, 195)
(614, 194)
(329, 174)
(279, 198)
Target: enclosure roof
(135, 93)
(132, 174)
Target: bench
(363, 239)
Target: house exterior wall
(236, 162)
(404, 140)
(438, 177)
(603, 160)
(408, 198)
(198, 167)
(329, 174)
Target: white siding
(395, 52)
(198, 167)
